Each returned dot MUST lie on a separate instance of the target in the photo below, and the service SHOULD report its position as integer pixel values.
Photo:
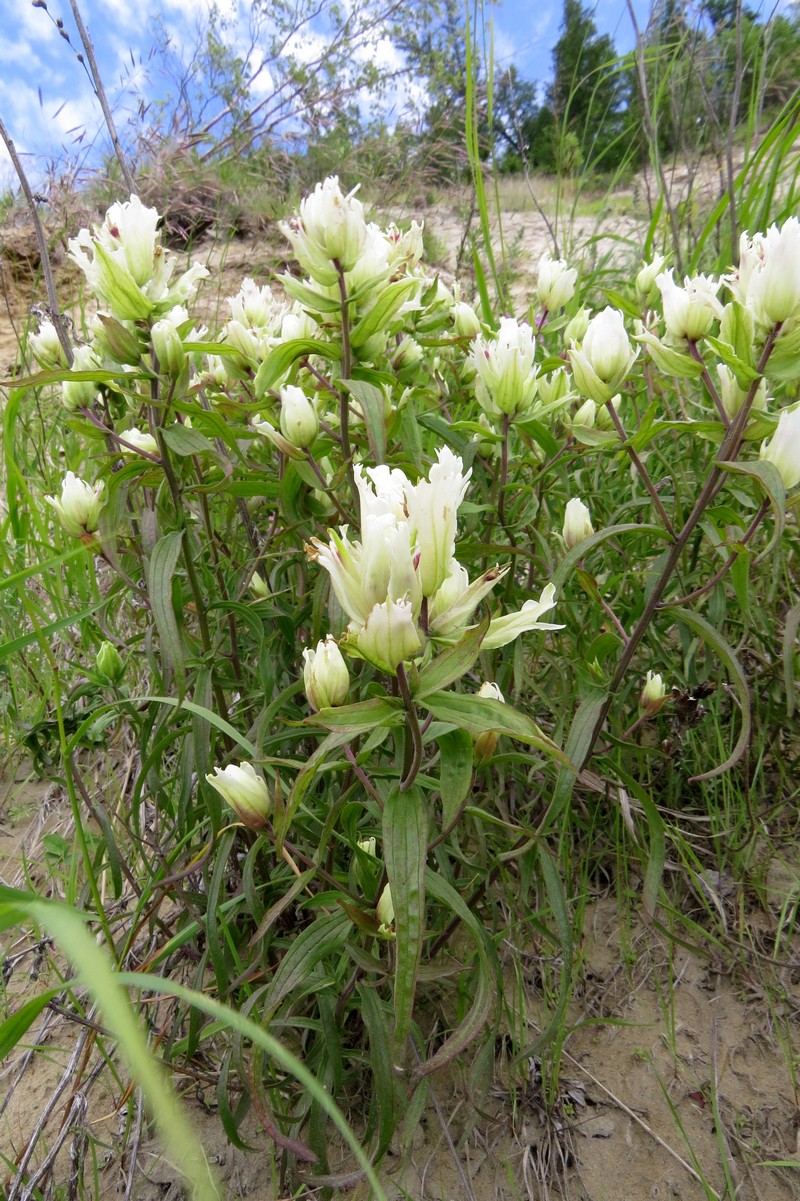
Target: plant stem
(729, 562)
(728, 450)
(642, 470)
(56, 316)
(414, 758)
(344, 397)
(710, 387)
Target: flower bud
(783, 449)
(653, 695)
(604, 358)
(245, 791)
(646, 279)
(80, 394)
(465, 320)
(325, 676)
(168, 348)
(554, 387)
(603, 420)
(575, 330)
(555, 284)
(79, 505)
(486, 742)
(259, 587)
(46, 347)
(108, 662)
(138, 440)
(733, 397)
(586, 415)
(774, 287)
(577, 523)
(385, 911)
(368, 845)
(299, 421)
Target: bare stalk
(100, 93)
(56, 315)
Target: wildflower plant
(390, 576)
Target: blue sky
(46, 100)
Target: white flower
(508, 627)
(432, 509)
(555, 284)
(245, 791)
(388, 637)
(454, 603)
(256, 307)
(504, 366)
(79, 505)
(604, 358)
(405, 247)
(690, 311)
(325, 676)
(783, 450)
(259, 588)
(491, 692)
(126, 266)
(772, 290)
(577, 523)
(329, 232)
(299, 421)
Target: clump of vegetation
(373, 630)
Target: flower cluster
(126, 266)
(401, 582)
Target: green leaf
(279, 360)
(623, 304)
(741, 368)
(159, 571)
(185, 441)
(573, 557)
(578, 742)
(180, 1141)
(18, 1024)
(380, 1061)
(790, 627)
(405, 842)
(476, 1018)
(455, 775)
(17, 644)
(769, 478)
(453, 663)
(390, 300)
(475, 714)
(123, 344)
(364, 715)
(309, 297)
(326, 935)
(372, 401)
(714, 639)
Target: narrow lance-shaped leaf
(405, 842)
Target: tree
(590, 88)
